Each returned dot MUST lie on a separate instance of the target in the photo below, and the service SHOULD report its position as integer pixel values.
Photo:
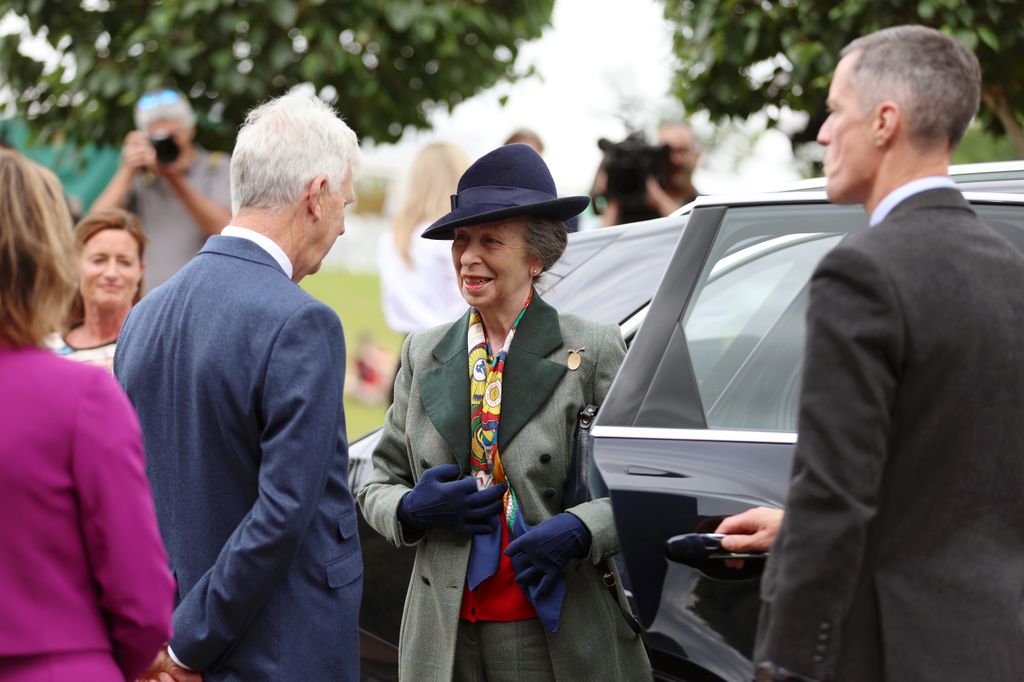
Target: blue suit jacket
(237, 376)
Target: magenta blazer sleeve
(119, 526)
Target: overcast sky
(602, 63)
(602, 60)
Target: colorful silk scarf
(485, 374)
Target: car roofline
(819, 197)
(955, 171)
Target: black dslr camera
(167, 150)
(627, 165)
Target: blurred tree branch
(384, 65)
(740, 57)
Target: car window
(1006, 220)
(744, 325)
(620, 278)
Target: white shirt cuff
(177, 661)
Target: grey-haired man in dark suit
(901, 553)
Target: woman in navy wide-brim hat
(509, 582)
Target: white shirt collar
(262, 241)
(893, 198)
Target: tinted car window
(756, 304)
(744, 324)
(1006, 220)
(619, 277)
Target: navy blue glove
(539, 555)
(442, 498)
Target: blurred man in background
(638, 180)
(180, 191)
(526, 136)
(676, 188)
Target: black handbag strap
(609, 580)
(577, 487)
(578, 490)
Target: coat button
(424, 579)
(545, 458)
(548, 493)
(424, 464)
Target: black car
(700, 422)
(611, 275)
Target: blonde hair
(91, 225)
(38, 270)
(434, 177)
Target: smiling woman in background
(111, 246)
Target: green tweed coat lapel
(528, 380)
(444, 390)
(529, 377)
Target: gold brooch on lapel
(573, 363)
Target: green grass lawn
(356, 299)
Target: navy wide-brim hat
(509, 182)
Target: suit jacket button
(818, 658)
(545, 458)
(424, 579)
(424, 463)
(548, 493)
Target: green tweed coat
(428, 424)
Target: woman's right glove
(443, 498)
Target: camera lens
(167, 150)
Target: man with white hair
(180, 191)
(237, 375)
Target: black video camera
(167, 150)
(627, 165)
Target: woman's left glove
(545, 549)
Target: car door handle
(639, 470)
(703, 551)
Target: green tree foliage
(739, 57)
(385, 65)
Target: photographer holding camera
(640, 181)
(180, 191)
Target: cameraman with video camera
(640, 181)
(180, 191)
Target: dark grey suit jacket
(901, 556)
(237, 374)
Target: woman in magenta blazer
(85, 592)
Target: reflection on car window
(1006, 220)
(612, 283)
(744, 326)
